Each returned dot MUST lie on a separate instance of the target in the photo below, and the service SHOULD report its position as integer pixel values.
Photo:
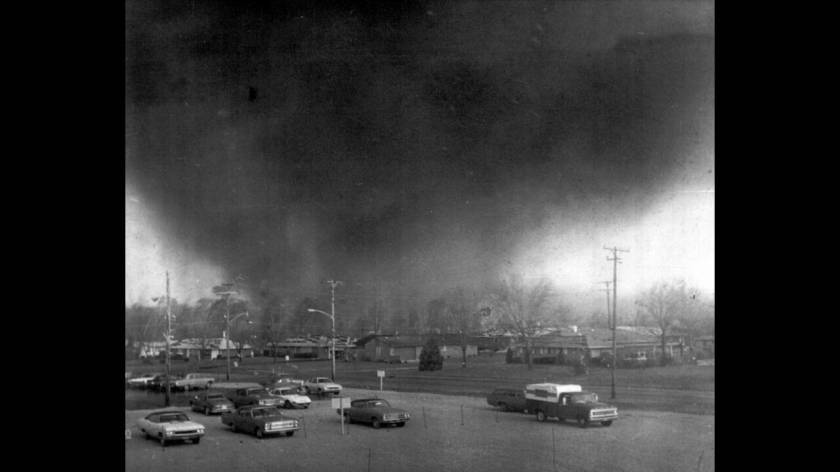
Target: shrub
(509, 356)
(430, 357)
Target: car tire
(206, 411)
(375, 423)
(606, 423)
(196, 440)
(540, 416)
(583, 422)
(287, 405)
(258, 433)
(503, 406)
(400, 425)
(290, 433)
(162, 440)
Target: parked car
(320, 386)
(170, 425)
(211, 402)
(195, 381)
(253, 396)
(565, 402)
(260, 420)
(375, 411)
(637, 359)
(142, 380)
(290, 394)
(508, 399)
(288, 380)
(158, 383)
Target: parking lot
(445, 433)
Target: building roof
(411, 340)
(597, 338)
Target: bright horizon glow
(675, 240)
(149, 253)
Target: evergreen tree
(430, 356)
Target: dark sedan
(260, 421)
(375, 411)
(211, 402)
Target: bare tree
(376, 316)
(523, 309)
(666, 304)
(462, 316)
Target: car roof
(166, 412)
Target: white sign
(380, 373)
(341, 402)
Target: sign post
(340, 404)
(381, 375)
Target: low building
(407, 348)
(309, 348)
(569, 345)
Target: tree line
(520, 307)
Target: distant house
(705, 344)
(214, 348)
(570, 344)
(152, 349)
(407, 348)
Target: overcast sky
(408, 150)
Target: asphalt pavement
(445, 433)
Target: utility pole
(609, 311)
(615, 259)
(168, 336)
(225, 291)
(333, 284)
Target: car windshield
(254, 391)
(584, 398)
(264, 411)
(173, 418)
(215, 396)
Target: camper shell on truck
(548, 400)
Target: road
(439, 437)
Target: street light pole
(227, 336)
(228, 324)
(333, 283)
(168, 335)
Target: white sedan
(321, 386)
(170, 425)
(290, 396)
(141, 380)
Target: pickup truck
(253, 396)
(194, 382)
(568, 402)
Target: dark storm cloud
(413, 144)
